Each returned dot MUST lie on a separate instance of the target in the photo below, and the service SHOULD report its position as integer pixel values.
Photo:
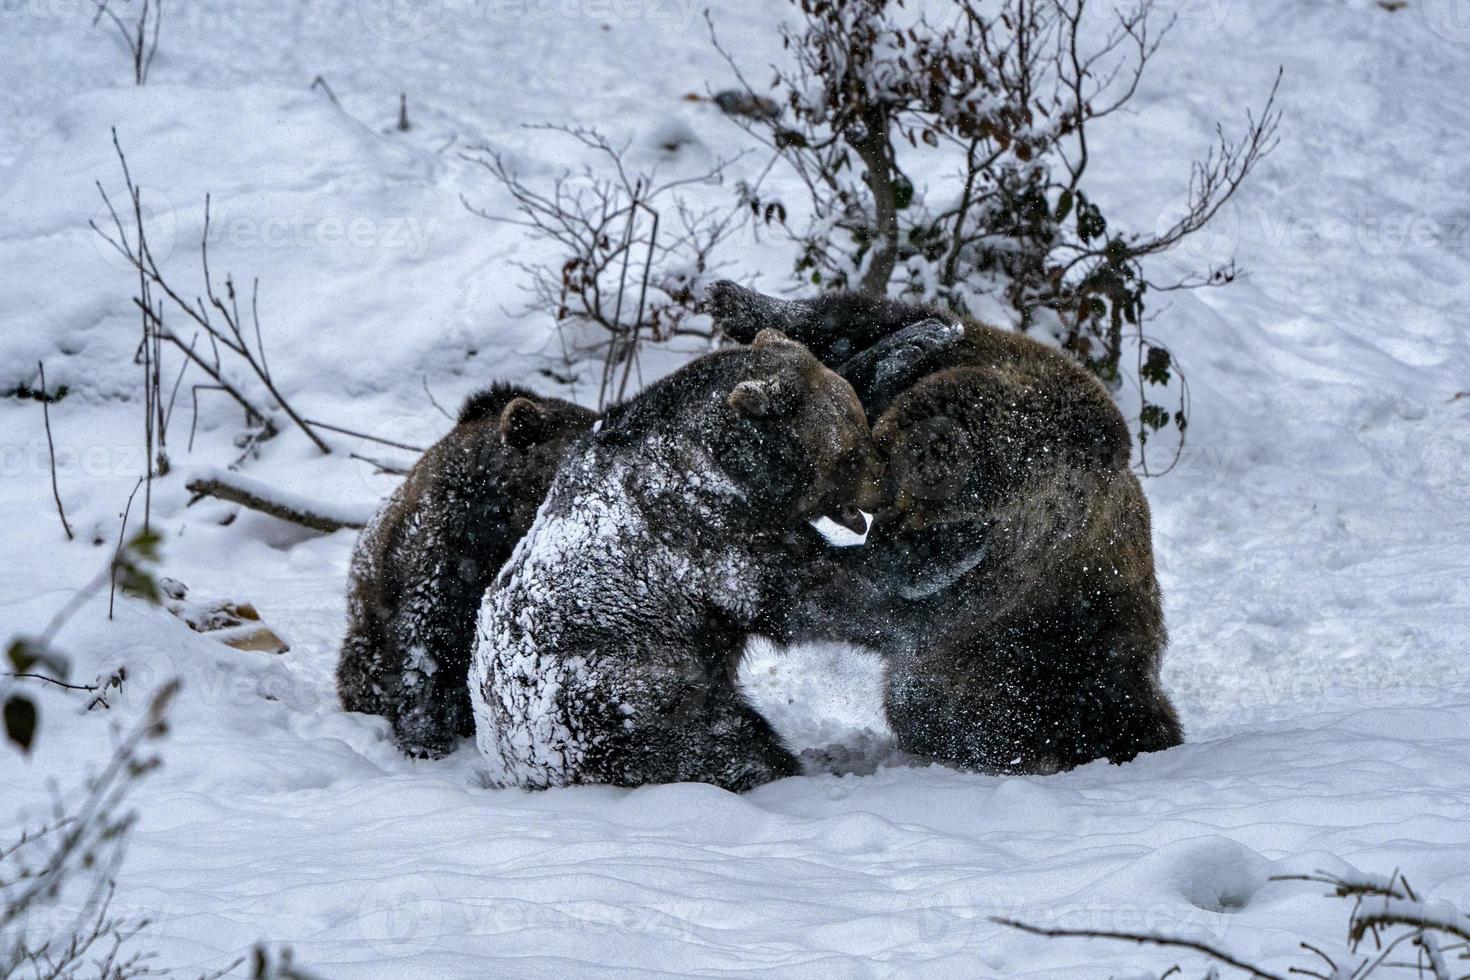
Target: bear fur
(608, 646)
(422, 565)
(1009, 582)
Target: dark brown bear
(423, 564)
(1010, 583)
(608, 646)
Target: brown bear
(423, 564)
(608, 646)
(1009, 583)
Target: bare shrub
(57, 882)
(229, 339)
(634, 251)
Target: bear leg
(690, 734)
(1010, 712)
(360, 666)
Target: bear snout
(859, 486)
(852, 518)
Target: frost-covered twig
(258, 496)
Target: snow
(841, 537)
(1314, 543)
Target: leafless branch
(1147, 939)
(613, 229)
(364, 435)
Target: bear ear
(770, 337)
(752, 398)
(522, 423)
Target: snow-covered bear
(608, 646)
(1010, 580)
(423, 564)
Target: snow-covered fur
(608, 646)
(423, 563)
(1010, 582)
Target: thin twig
(321, 83)
(364, 435)
(45, 679)
(51, 453)
(382, 466)
(230, 335)
(434, 401)
(1147, 939)
(117, 552)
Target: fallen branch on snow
(281, 504)
(1387, 909)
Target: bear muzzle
(851, 517)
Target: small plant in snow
(140, 37)
(1410, 936)
(56, 882)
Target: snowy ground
(1314, 544)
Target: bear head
(933, 439)
(797, 437)
(518, 439)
